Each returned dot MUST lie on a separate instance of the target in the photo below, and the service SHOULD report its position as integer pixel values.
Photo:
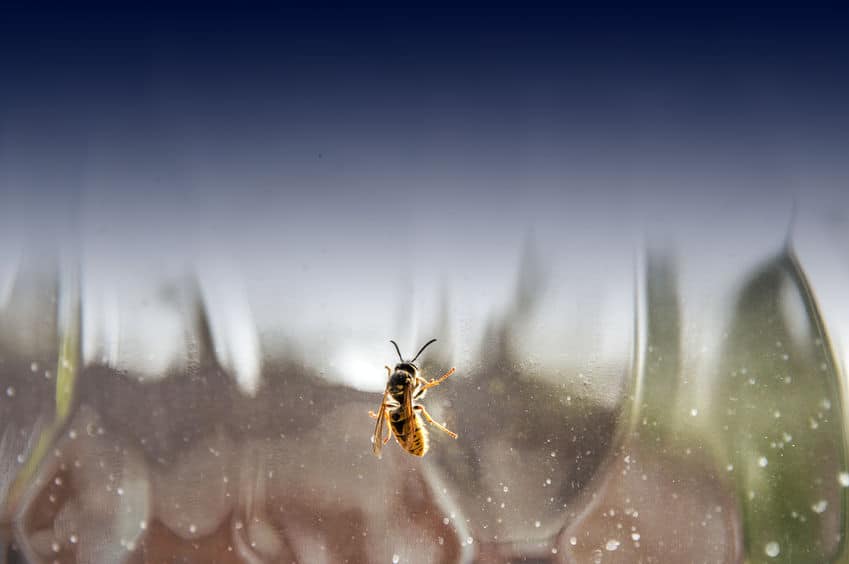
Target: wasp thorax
(400, 380)
(406, 367)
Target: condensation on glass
(637, 416)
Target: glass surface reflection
(138, 432)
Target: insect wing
(408, 403)
(377, 437)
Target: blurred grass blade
(778, 412)
(66, 382)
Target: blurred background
(627, 232)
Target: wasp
(399, 410)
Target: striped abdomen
(410, 433)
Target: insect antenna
(397, 350)
(422, 349)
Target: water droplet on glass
(537, 524)
(635, 536)
(611, 545)
(694, 412)
(772, 549)
(192, 529)
(820, 506)
(73, 539)
(843, 478)
(10, 391)
(573, 541)
(395, 559)
(762, 462)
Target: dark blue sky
(274, 100)
(492, 64)
(394, 41)
(314, 155)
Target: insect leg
(429, 419)
(439, 380)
